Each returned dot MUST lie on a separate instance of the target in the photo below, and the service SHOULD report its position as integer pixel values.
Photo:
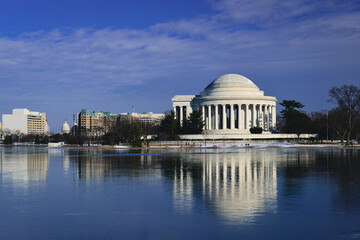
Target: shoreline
(198, 146)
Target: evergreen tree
(295, 121)
(45, 139)
(8, 139)
(290, 107)
(298, 122)
(256, 130)
(135, 135)
(193, 125)
(169, 125)
(37, 139)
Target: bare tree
(337, 123)
(147, 129)
(7, 131)
(347, 97)
(15, 134)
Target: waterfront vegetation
(340, 123)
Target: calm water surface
(262, 193)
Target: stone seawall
(264, 136)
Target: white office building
(26, 122)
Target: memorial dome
(231, 85)
(231, 81)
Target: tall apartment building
(95, 123)
(25, 121)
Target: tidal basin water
(253, 193)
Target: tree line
(342, 122)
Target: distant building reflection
(238, 186)
(37, 165)
(92, 168)
(24, 168)
(97, 166)
(66, 163)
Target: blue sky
(62, 56)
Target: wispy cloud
(272, 13)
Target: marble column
(240, 125)
(273, 114)
(257, 110)
(203, 115)
(224, 125)
(269, 120)
(266, 118)
(209, 116)
(181, 115)
(231, 116)
(216, 117)
(188, 111)
(261, 114)
(269, 116)
(246, 116)
(254, 115)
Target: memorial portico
(231, 103)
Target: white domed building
(231, 104)
(65, 128)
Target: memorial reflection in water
(238, 186)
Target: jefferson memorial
(231, 104)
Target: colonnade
(238, 116)
(232, 116)
(182, 113)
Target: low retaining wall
(195, 140)
(264, 136)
